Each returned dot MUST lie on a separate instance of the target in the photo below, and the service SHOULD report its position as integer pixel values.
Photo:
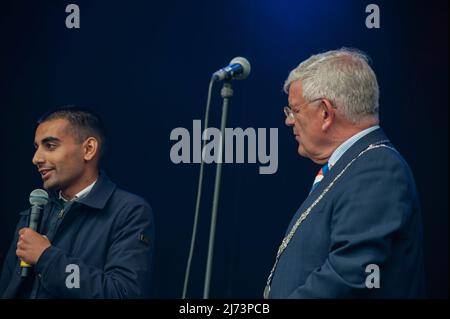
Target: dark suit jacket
(108, 234)
(370, 216)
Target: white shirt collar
(83, 193)
(347, 144)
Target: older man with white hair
(358, 233)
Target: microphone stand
(226, 93)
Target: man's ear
(328, 114)
(90, 148)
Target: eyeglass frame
(289, 111)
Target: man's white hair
(342, 76)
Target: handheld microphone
(239, 68)
(38, 199)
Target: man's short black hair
(84, 123)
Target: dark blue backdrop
(145, 67)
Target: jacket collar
(373, 137)
(97, 197)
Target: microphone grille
(38, 197)
(245, 66)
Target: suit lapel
(373, 137)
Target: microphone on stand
(239, 68)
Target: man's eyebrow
(48, 139)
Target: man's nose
(37, 158)
(289, 121)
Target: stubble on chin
(49, 185)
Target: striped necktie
(320, 175)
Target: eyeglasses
(289, 112)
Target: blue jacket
(108, 234)
(370, 216)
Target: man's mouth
(45, 172)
